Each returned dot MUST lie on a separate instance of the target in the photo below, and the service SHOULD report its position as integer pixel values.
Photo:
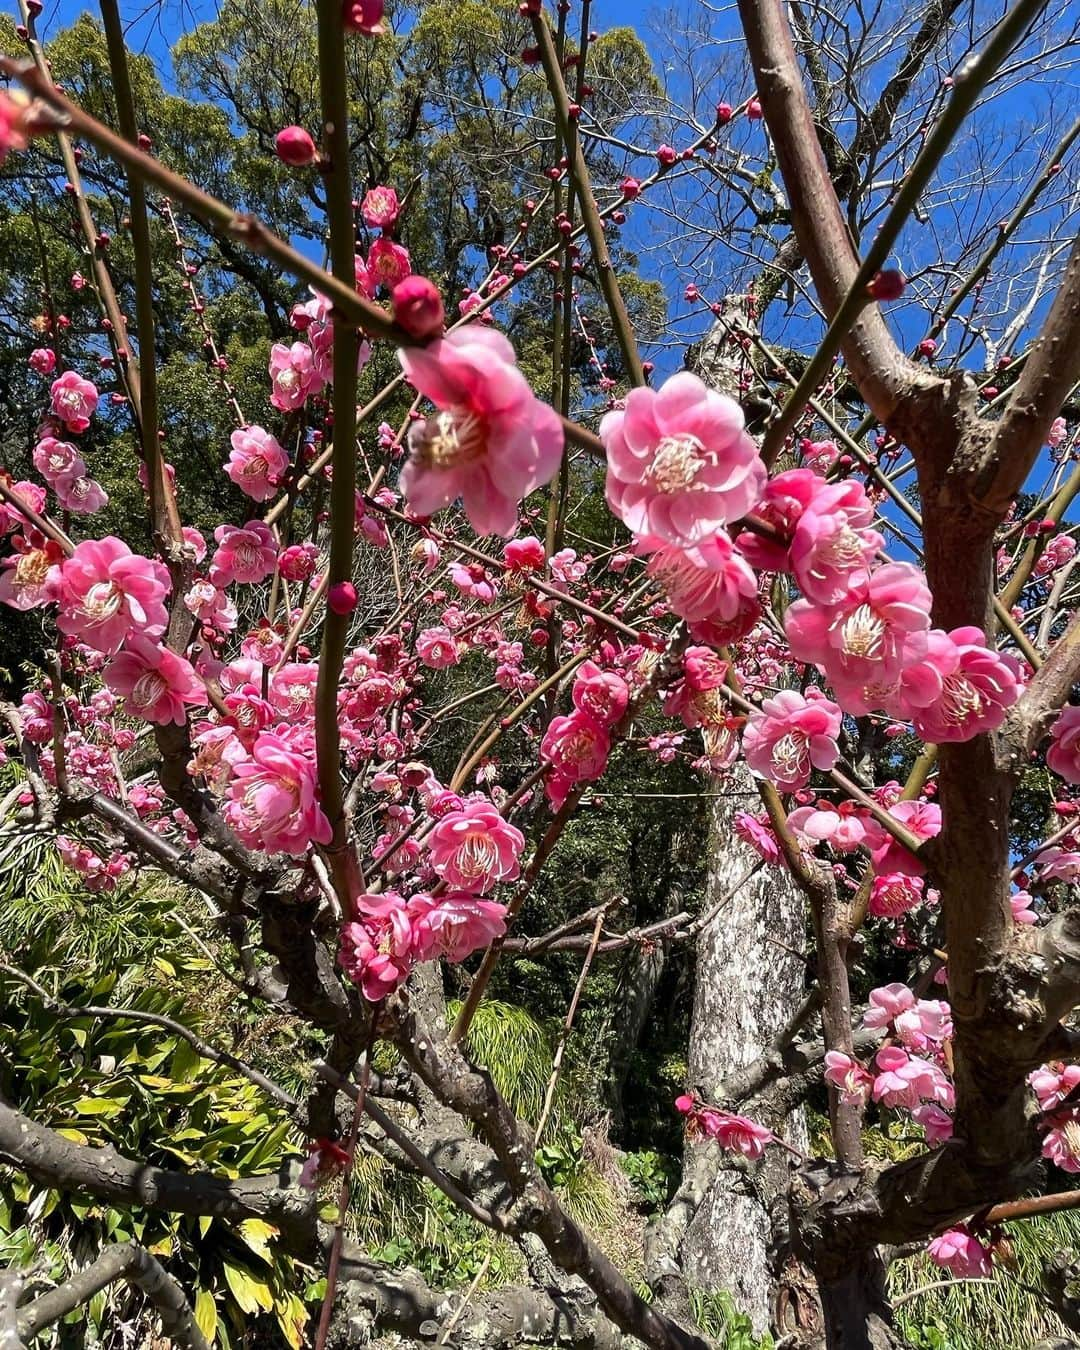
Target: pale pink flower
(257, 463)
(491, 443)
(1059, 864)
(24, 582)
(293, 375)
(600, 694)
(380, 208)
(458, 924)
(1021, 907)
(928, 1023)
(1057, 433)
(1053, 1083)
(1063, 752)
(839, 827)
(887, 1002)
(437, 648)
(73, 401)
(155, 683)
(77, 492)
(1062, 1144)
(791, 735)
(211, 606)
(961, 1252)
(863, 643)
(847, 1075)
(680, 465)
(475, 848)
(978, 686)
(53, 457)
(105, 592)
(273, 797)
(471, 579)
(292, 690)
(712, 581)
(246, 553)
(937, 1123)
(378, 950)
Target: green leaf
(206, 1313)
(99, 1106)
(252, 1294)
(257, 1234)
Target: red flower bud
(887, 285)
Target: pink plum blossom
(105, 592)
(757, 832)
(960, 1251)
(380, 208)
(437, 648)
(712, 581)
(459, 925)
(293, 375)
(73, 401)
(388, 263)
(920, 819)
(839, 827)
(978, 686)
(1054, 1083)
(578, 746)
(680, 465)
(937, 1123)
(246, 553)
(257, 463)
(491, 442)
(831, 544)
(847, 1075)
(24, 582)
(791, 735)
(273, 797)
(1063, 753)
(155, 683)
(893, 894)
(76, 492)
(1062, 1144)
(379, 948)
(475, 848)
(599, 694)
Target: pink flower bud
(342, 598)
(724, 112)
(753, 110)
(418, 307)
(294, 146)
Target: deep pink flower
(298, 562)
(787, 495)
(14, 134)
(155, 683)
(694, 697)
(246, 553)
(922, 819)
(894, 893)
(710, 582)
(380, 208)
(863, 643)
(978, 686)
(578, 746)
(1063, 752)
(363, 16)
(491, 442)
(273, 797)
(600, 694)
(73, 401)
(437, 648)
(1062, 1144)
(105, 592)
(961, 1252)
(378, 949)
(847, 1075)
(526, 554)
(680, 465)
(257, 462)
(790, 735)
(832, 545)
(458, 924)
(475, 848)
(739, 1134)
(388, 263)
(757, 832)
(418, 307)
(43, 360)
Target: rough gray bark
(748, 986)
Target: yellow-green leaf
(257, 1235)
(206, 1313)
(251, 1294)
(99, 1106)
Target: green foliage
(716, 1314)
(654, 1175)
(1001, 1313)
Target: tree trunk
(856, 1310)
(749, 983)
